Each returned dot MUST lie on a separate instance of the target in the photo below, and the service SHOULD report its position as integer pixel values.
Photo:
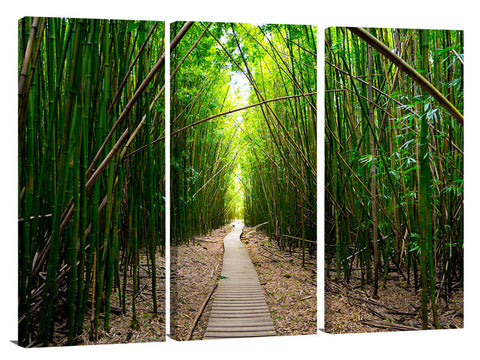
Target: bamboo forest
(131, 143)
(91, 219)
(393, 179)
(243, 147)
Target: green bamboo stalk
(425, 201)
(373, 177)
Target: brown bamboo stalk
(28, 55)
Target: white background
(434, 344)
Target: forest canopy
(257, 161)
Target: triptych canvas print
(200, 149)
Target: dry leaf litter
(351, 308)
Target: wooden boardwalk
(239, 308)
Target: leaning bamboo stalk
(199, 313)
(415, 75)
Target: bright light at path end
(240, 85)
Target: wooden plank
(239, 296)
(240, 322)
(238, 316)
(228, 335)
(237, 301)
(238, 313)
(246, 329)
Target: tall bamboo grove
(281, 135)
(89, 204)
(267, 145)
(394, 160)
(201, 156)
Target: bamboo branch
(199, 313)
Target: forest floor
(290, 289)
(350, 308)
(150, 328)
(195, 270)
